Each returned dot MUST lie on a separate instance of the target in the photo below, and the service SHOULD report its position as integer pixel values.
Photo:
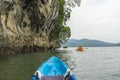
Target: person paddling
(80, 48)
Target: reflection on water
(94, 63)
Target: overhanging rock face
(25, 25)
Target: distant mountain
(118, 44)
(88, 43)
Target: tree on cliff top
(62, 32)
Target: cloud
(96, 19)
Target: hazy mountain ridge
(88, 43)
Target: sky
(96, 19)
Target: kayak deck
(54, 69)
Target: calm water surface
(95, 63)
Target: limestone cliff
(25, 25)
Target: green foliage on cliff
(62, 32)
(65, 34)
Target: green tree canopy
(62, 32)
(65, 33)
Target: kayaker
(80, 48)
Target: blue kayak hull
(54, 67)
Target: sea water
(94, 63)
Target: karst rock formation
(25, 25)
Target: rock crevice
(25, 25)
